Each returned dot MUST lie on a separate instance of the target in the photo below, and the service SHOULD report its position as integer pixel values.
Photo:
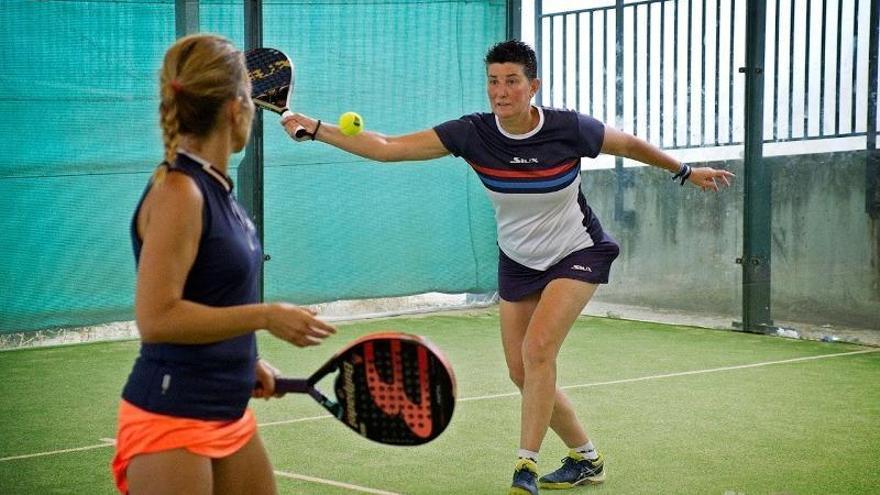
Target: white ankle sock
(527, 454)
(587, 450)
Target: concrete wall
(678, 252)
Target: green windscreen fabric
(80, 138)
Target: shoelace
(587, 468)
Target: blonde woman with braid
(184, 426)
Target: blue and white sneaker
(524, 478)
(576, 470)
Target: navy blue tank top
(205, 381)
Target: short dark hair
(517, 52)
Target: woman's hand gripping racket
(272, 77)
(393, 388)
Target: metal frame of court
(755, 259)
(756, 249)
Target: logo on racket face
(348, 381)
(269, 70)
(391, 397)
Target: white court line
(110, 441)
(63, 451)
(297, 420)
(682, 373)
(338, 484)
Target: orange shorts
(143, 432)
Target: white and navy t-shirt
(533, 180)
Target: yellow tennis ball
(351, 123)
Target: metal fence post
(186, 17)
(514, 19)
(539, 8)
(250, 170)
(758, 181)
(872, 165)
(622, 178)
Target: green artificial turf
(802, 427)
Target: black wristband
(683, 173)
(315, 132)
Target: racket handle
(301, 134)
(291, 385)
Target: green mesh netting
(80, 138)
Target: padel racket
(272, 76)
(393, 388)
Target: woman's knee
(537, 352)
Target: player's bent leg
(562, 301)
(515, 317)
(515, 320)
(246, 472)
(170, 472)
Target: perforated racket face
(272, 78)
(395, 390)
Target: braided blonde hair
(200, 72)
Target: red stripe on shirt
(523, 174)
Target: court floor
(675, 409)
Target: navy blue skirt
(592, 264)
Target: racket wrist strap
(315, 132)
(683, 173)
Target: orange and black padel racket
(393, 388)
